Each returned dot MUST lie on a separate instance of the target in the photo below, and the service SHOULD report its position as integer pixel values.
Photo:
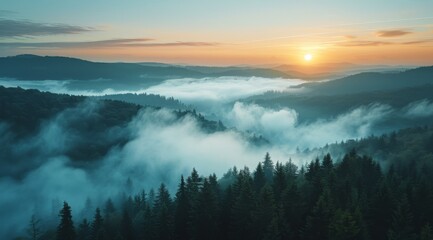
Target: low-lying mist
(36, 174)
(189, 90)
(160, 149)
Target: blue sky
(235, 26)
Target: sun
(308, 57)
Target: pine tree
(97, 231)
(226, 220)
(402, 223)
(204, 215)
(192, 185)
(127, 230)
(34, 230)
(65, 229)
(380, 214)
(280, 181)
(182, 212)
(265, 211)
(318, 222)
(109, 208)
(148, 224)
(259, 178)
(278, 228)
(163, 214)
(243, 207)
(294, 210)
(268, 168)
(84, 230)
(291, 171)
(344, 226)
(327, 163)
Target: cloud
(6, 12)
(422, 108)
(281, 126)
(392, 33)
(380, 43)
(170, 44)
(207, 92)
(252, 117)
(23, 28)
(201, 92)
(418, 42)
(83, 44)
(364, 43)
(144, 159)
(110, 43)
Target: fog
(421, 108)
(208, 92)
(161, 147)
(282, 128)
(189, 90)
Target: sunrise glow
(308, 57)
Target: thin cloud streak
(23, 28)
(6, 12)
(111, 43)
(379, 43)
(392, 33)
(364, 43)
(338, 26)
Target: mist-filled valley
(349, 158)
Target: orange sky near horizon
(224, 32)
(259, 54)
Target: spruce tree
(84, 230)
(126, 226)
(182, 212)
(268, 168)
(97, 232)
(259, 178)
(65, 229)
(163, 216)
(34, 231)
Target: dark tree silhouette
(65, 229)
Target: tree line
(349, 199)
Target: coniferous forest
(350, 199)
(216, 120)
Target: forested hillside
(311, 107)
(349, 199)
(92, 126)
(410, 150)
(148, 100)
(25, 110)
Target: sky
(223, 32)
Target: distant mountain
(332, 70)
(372, 81)
(33, 67)
(324, 100)
(123, 76)
(312, 107)
(238, 71)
